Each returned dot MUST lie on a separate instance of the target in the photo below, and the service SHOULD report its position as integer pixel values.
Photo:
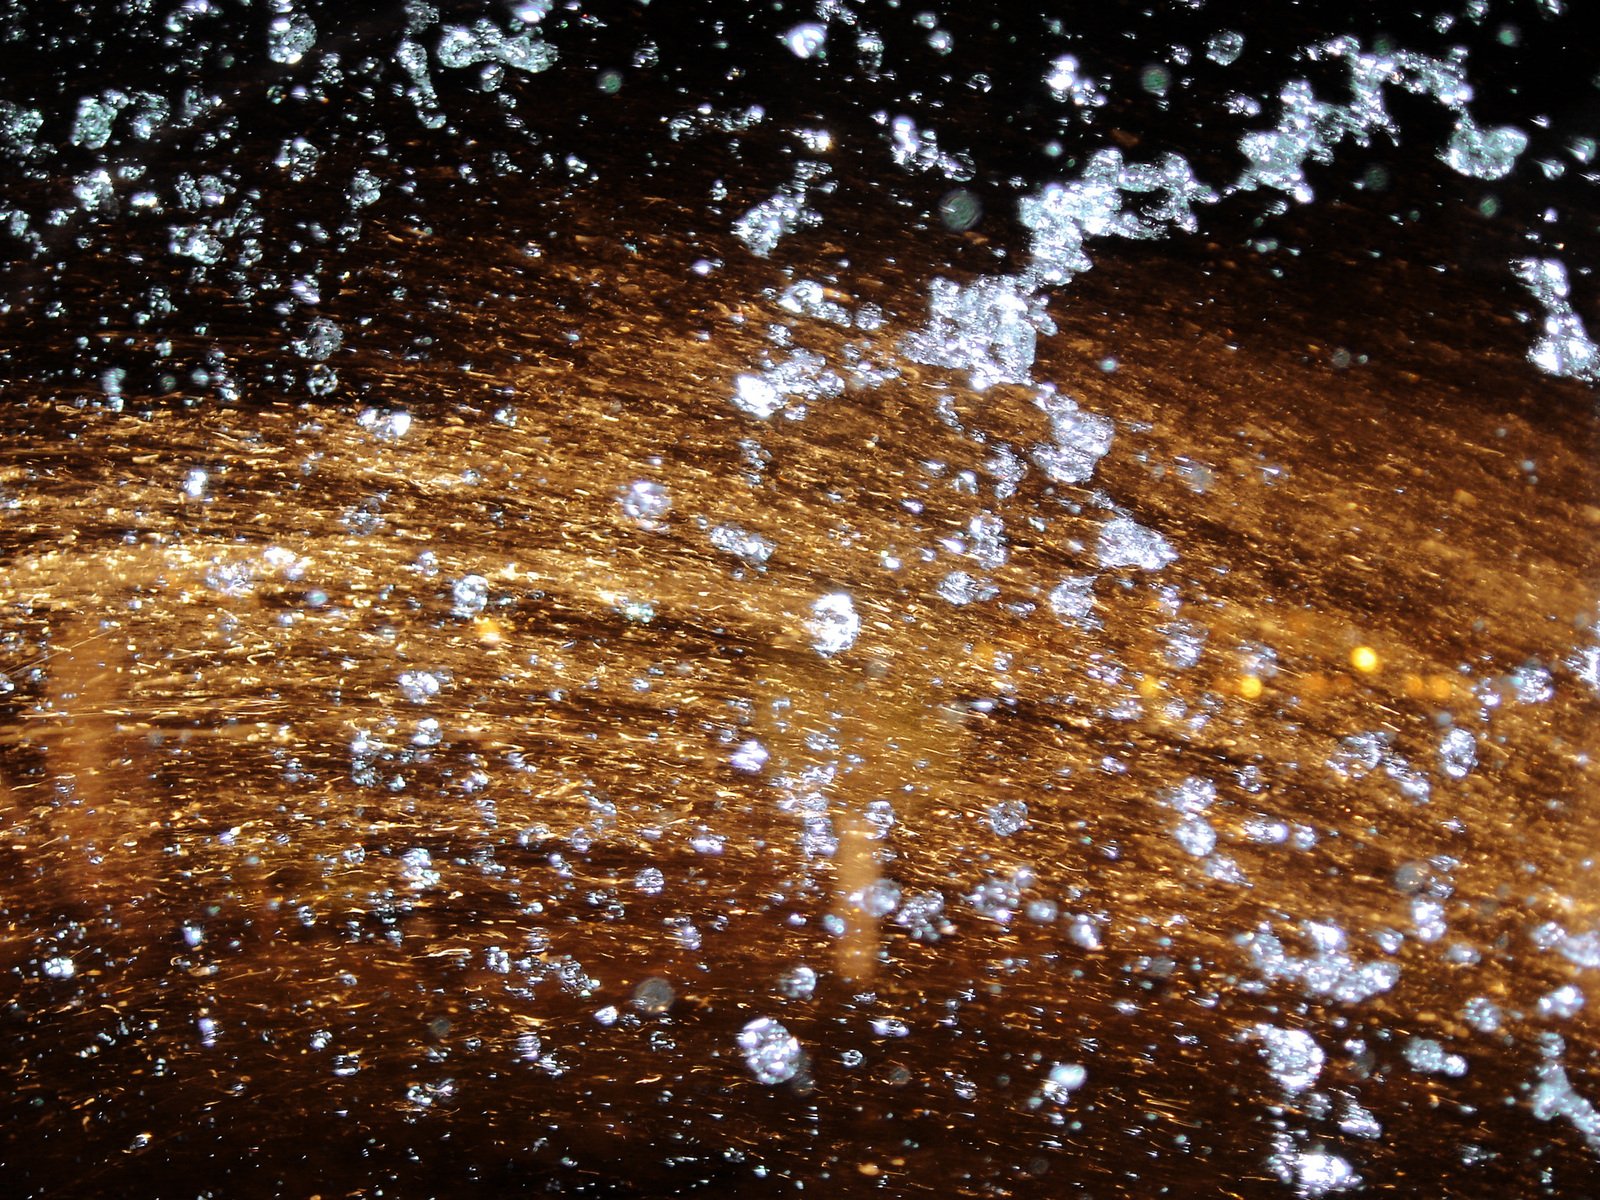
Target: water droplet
(771, 1052)
(798, 983)
(654, 996)
(750, 757)
(834, 624)
(807, 40)
(1008, 817)
(647, 505)
(960, 209)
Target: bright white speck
(750, 757)
(834, 625)
(194, 483)
(1063, 1080)
(708, 843)
(60, 967)
(771, 1052)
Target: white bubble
(1316, 1172)
(960, 588)
(879, 898)
(741, 543)
(289, 37)
(1483, 1014)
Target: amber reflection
(322, 868)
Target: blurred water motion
(534, 679)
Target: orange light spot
(1364, 659)
(1250, 687)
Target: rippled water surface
(832, 599)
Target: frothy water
(872, 602)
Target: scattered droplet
(771, 1052)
